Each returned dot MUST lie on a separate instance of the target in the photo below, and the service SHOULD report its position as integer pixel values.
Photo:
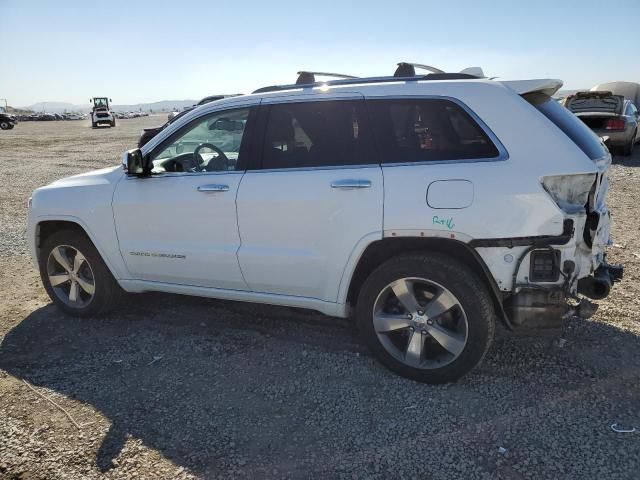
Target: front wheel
(426, 317)
(75, 276)
(5, 125)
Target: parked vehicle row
(123, 115)
(51, 117)
(428, 207)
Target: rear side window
(316, 134)
(408, 130)
(571, 125)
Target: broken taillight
(570, 192)
(614, 124)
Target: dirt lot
(175, 387)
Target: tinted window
(316, 134)
(427, 130)
(571, 125)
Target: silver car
(608, 115)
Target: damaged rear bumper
(579, 269)
(598, 285)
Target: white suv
(428, 207)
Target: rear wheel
(75, 276)
(627, 150)
(428, 318)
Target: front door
(315, 195)
(179, 225)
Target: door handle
(213, 188)
(350, 183)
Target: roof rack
(404, 72)
(305, 77)
(406, 69)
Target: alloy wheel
(71, 276)
(420, 323)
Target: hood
(104, 176)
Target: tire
(627, 150)
(11, 126)
(5, 125)
(94, 125)
(90, 272)
(467, 327)
(113, 124)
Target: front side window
(210, 144)
(316, 134)
(408, 130)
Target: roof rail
(406, 69)
(404, 72)
(305, 77)
(360, 80)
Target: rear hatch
(579, 192)
(595, 109)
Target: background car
(7, 121)
(629, 90)
(608, 115)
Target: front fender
(85, 200)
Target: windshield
(100, 102)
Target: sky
(145, 51)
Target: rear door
(316, 193)
(428, 192)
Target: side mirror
(136, 164)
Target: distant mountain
(53, 107)
(61, 107)
(162, 106)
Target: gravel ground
(177, 387)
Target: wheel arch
(46, 227)
(380, 251)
